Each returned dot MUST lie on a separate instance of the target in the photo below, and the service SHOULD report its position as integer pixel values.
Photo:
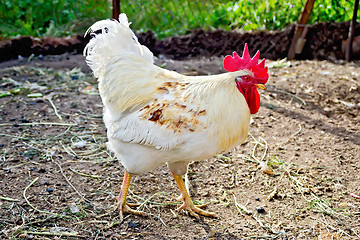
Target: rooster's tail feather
(110, 39)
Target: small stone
(339, 186)
(50, 190)
(132, 224)
(260, 209)
(24, 121)
(30, 236)
(74, 209)
(80, 144)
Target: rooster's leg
(121, 199)
(188, 205)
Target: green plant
(48, 18)
(166, 18)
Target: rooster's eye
(246, 78)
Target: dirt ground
(296, 177)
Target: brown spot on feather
(171, 84)
(202, 112)
(175, 116)
(156, 115)
(163, 90)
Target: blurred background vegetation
(166, 18)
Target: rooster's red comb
(236, 63)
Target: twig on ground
(148, 200)
(35, 208)
(84, 174)
(93, 221)
(90, 115)
(174, 213)
(239, 207)
(62, 172)
(54, 107)
(162, 221)
(39, 123)
(64, 234)
(110, 225)
(296, 133)
(66, 149)
(257, 143)
(9, 199)
(59, 135)
(264, 226)
(22, 164)
(287, 93)
(132, 235)
(263, 237)
(355, 233)
(272, 194)
(154, 203)
(211, 233)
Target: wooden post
(116, 9)
(350, 40)
(304, 19)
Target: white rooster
(155, 116)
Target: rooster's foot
(133, 204)
(122, 205)
(127, 209)
(188, 204)
(195, 211)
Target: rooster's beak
(261, 86)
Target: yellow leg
(188, 205)
(121, 199)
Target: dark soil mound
(324, 41)
(26, 46)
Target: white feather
(133, 130)
(110, 39)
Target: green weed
(166, 18)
